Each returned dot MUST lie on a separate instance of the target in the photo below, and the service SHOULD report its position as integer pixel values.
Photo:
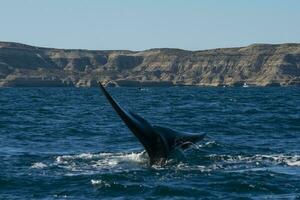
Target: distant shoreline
(255, 65)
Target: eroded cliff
(258, 64)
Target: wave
(88, 163)
(100, 183)
(290, 160)
(110, 157)
(38, 165)
(103, 163)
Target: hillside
(258, 64)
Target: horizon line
(156, 48)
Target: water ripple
(58, 143)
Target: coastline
(256, 65)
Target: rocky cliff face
(259, 64)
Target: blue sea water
(68, 143)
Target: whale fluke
(159, 142)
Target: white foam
(38, 165)
(207, 144)
(88, 163)
(186, 167)
(89, 156)
(293, 162)
(100, 183)
(290, 160)
(60, 196)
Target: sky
(145, 24)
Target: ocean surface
(68, 143)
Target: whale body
(159, 142)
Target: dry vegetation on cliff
(258, 64)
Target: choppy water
(58, 143)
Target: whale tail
(158, 141)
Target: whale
(159, 142)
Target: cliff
(258, 64)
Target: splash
(112, 157)
(88, 163)
(38, 165)
(100, 183)
(290, 160)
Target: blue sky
(144, 24)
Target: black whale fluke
(158, 141)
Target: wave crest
(290, 160)
(92, 163)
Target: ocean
(68, 143)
